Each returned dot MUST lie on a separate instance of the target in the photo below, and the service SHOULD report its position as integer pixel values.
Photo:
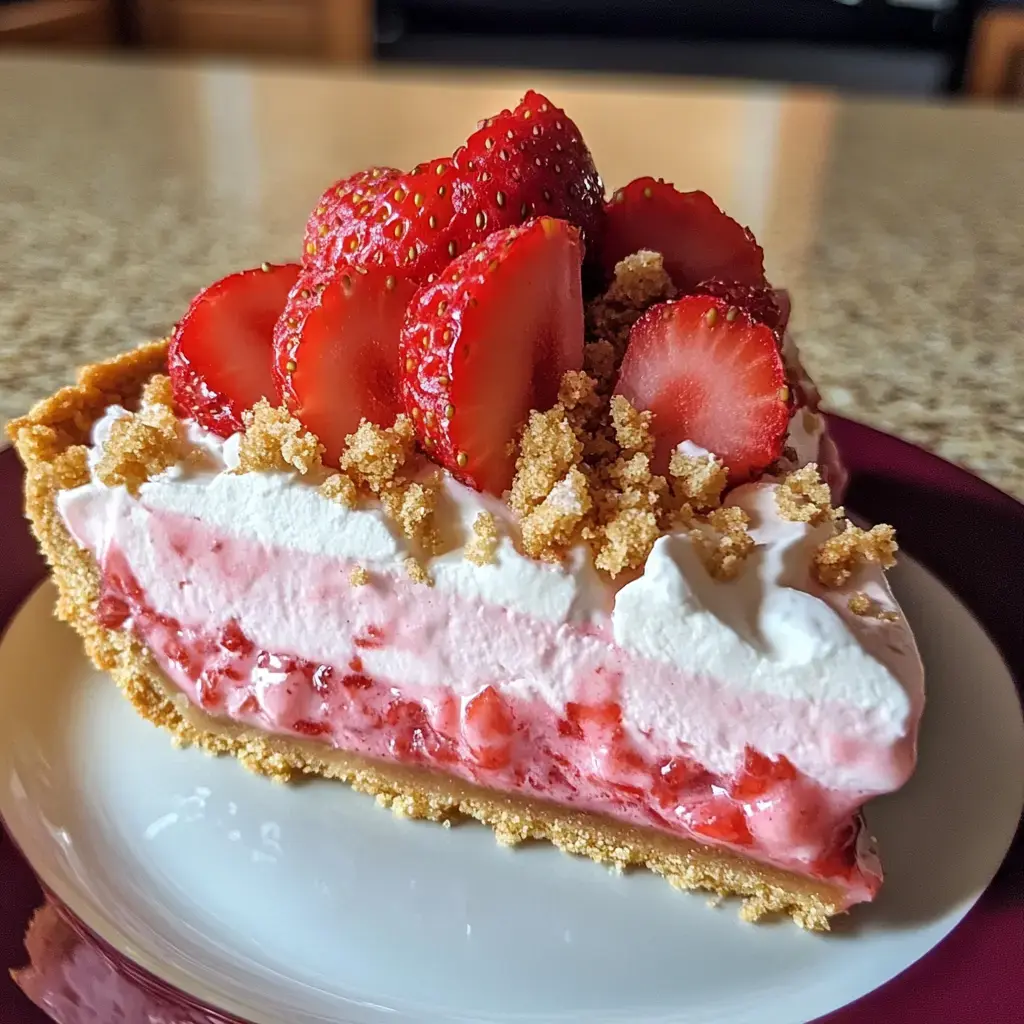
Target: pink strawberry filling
(581, 756)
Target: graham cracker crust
(50, 442)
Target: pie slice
(579, 576)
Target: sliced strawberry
(336, 215)
(488, 341)
(697, 240)
(221, 351)
(759, 302)
(710, 375)
(517, 165)
(336, 351)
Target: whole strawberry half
(517, 165)
(488, 341)
(220, 353)
(336, 208)
(713, 376)
(698, 241)
(336, 351)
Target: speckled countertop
(899, 228)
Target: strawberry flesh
(698, 241)
(336, 351)
(488, 728)
(220, 354)
(713, 376)
(488, 341)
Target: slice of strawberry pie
(420, 515)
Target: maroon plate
(970, 535)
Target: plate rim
(944, 476)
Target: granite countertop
(899, 228)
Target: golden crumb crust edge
(47, 439)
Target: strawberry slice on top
(220, 354)
(517, 165)
(336, 351)
(698, 241)
(713, 376)
(488, 341)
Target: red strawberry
(710, 375)
(517, 165)
(536, 158)
(221, 351)
(336, 351)
(335, 209)
(697, 240)
(758, 774)
(759, 302)
(489, 728)
(718, 819)
(489, 341)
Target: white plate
(295, 904)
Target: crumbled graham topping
(724, 550)
(358, 576)
(338, 487)
(640, 281)
(548, 529)
(548, 449)
(482, 547)
(142, 444)
(803, 497)
(839, 556)
(416, 572)
(861, 604)
(373, 454)
(697, 480)
(632, 428)
(626, 540)
(412, 506)
(275, 440)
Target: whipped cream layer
(702, 669)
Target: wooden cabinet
(70, 23)
(339, 30)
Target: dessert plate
(293, 905)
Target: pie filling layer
(757, 714)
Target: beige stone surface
(899, 228)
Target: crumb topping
(548, 529)
(373, 454)
(358, 576)
(697, 480)
(482, 547)
(640, 281)
(412, 506)
(338, 487)
(803, 497)
(275, 440)
(861, 604)
(142, 444)
(726, 544)
(845, 551)
(416, 572)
